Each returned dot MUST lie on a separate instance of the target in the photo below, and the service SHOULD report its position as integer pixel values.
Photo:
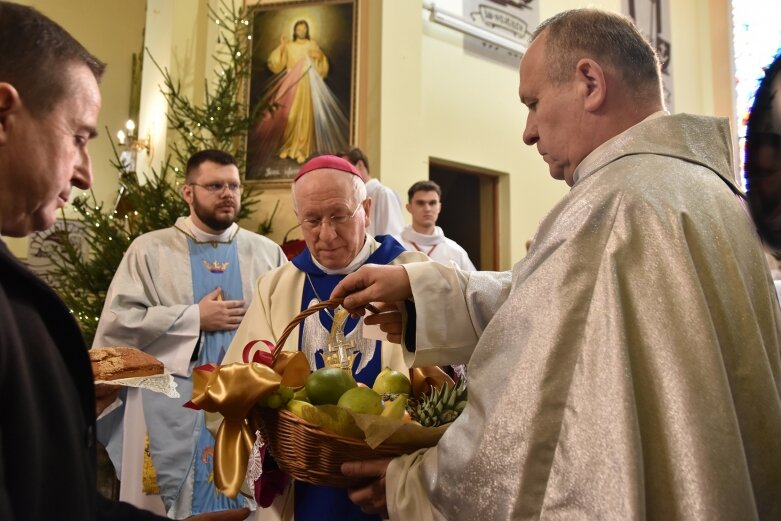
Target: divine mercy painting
(302, 84)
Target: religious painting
(301, 83)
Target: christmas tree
(91, 247)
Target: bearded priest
(179, 294)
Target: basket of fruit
(312, 430)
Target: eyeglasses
(218, 188)
(312, 224)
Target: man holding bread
(179, 294)
(49, 104)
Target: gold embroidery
(216, 267)
(149, 477)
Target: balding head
(587, 76)
(610, 39)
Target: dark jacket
(47, 396)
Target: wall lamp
(128, 140)
(464, 26)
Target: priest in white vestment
(333, 209)
(386, 217)
(629, 367)
(179, 294)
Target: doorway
(469, 213)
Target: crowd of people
(629, 367)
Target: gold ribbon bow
(233, 390)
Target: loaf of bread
(113, 363)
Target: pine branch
(92, 247)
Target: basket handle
(325, 304)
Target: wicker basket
(305, 451)
(310, 454)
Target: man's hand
(218, 314)
(237, 514)
(388, 317)
(370, 498)
(105, 394)
(373, 283)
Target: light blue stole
(214, 265)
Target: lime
(362, 400)
(301, 395)
(326, 385)
(392, 382)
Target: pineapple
(439, 406)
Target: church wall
(420, 96)
(112, 31)
(471, 113)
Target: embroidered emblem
(216, 267)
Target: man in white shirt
(386, 216)
(423, 234)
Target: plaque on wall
(513, 19)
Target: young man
(179, 295)
(423, 234)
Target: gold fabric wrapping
(232, 390)
(424, 378)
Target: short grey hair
(609, 38)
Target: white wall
(437, 101)
(112, 31)
(420, 95)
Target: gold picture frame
(302, 84)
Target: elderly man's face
(333, 221)
(46, 156)
(554, 122)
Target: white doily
(159, 383)
(255, 463)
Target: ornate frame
(333, 29)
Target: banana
(338, 421)
(396, 408)
(301, 395)
(330, 418)
(303, 410)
